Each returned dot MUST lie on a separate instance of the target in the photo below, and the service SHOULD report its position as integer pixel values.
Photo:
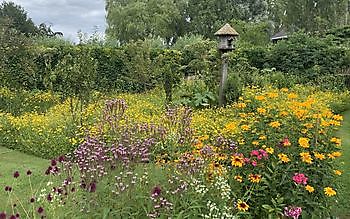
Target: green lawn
(344, 200)
(11, 161)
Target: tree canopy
(140, 19)
(17, 18)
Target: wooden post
(223, 80)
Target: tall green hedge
(134, 67)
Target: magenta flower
(53, 162)
(16, 174)
(2, 215)
(40, 210)
(49, 197)
(92, 187)
(293, 212)
(60, 159)
(300, 178)
(156, 191)
(263, 153)
(13, 217)
(254, 153)
(254, 163)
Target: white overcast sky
(67, 16)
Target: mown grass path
(11, 161)
(344, 193)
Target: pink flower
(293, 212)
(254, 153)
(254, 163)
(300, 178)
(263, 153)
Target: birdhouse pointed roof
(227, 30)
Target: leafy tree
(169, 71)
(74, 76)
(139, 19)
(16, 63)
(18, 17)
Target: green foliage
(233, 88)
(341, 35)
(17, 67)
(20, 102)
(18, 19)
(74, 77)
(252, 34)
(140, 19)
(306, 56)
(194, 93)
(168, 71)
(141, 74)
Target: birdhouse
(227, 37)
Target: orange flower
(337, 172)
(238, 178)
(275, 124)
(237, 161)
(254, 178)
(304, 142)
(284, 158)
(319, 156)
(329, 191)
(306, 157)
(242, 206)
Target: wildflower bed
(272, 154)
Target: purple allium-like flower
(40, 210)
(92, 187)
(16, 174)
(12, 217)
(53, 162)
(61, 159)
(2, 215)
(8, 188)
(49, 197)
(17, 215)
(29, 172)
(293, 212)
(156, 191)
